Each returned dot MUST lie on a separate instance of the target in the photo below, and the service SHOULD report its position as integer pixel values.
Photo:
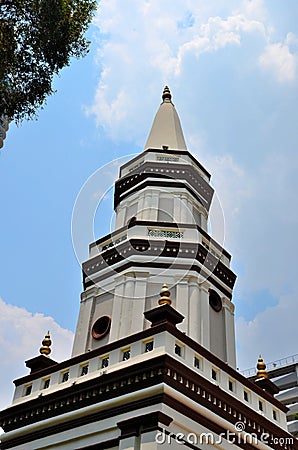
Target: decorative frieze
(188, 176)
(161, 369)
(165, 234)
(201, 260)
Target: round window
(131, 221)
(215, 300)
(101, 327)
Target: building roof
(166, 130)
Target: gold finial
(166, 94)
(261, 366)
(165, 295)
(46, 343)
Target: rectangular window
(214, 374)
(178, 349)
(149, 346)
(165, 209)
(28, 389)
(46, 383)
(105, 362)
(231, 386)
(261, 406)
(125, 354)
(274, 414)
(197, 362)
(246, 396)
(65, 377)
(84, 370)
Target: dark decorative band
(201, 260)
(135, 181)
(162, 224)
(160, 184)
(141, 335)
(169, 152)
(163, 369)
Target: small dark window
(149, 346)
(274, 414)
(261, 405)
(46, 383)
(101, 327)
(245, 396)
(214, 374)
(196, 362)
(84, 370)
(215, 300)
(126, 355)
(105, 362)
(231, 385)
(65, 377)
(178, 350)
(28, 390)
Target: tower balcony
(157, 357)
(161, 230)
(159, 244)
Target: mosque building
(153, 363)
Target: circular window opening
(101, 327)
(131, 221)
(215, 301)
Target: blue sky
(233, 73)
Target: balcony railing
(272, 365)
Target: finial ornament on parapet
(46, 343)
(166, 95)
(165, 295)
(261, 366)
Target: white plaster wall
(102, 306)
(85, 314)
(164, 204)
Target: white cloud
(254, 9)
(271, 333)
(261, 220)
(214, 53)
(278, 59)
(20, 340)
(233, 188)
(140, 52)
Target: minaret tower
(153, 362)
(162, 200)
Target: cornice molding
(162, 369)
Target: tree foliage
(37, 39)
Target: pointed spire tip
(166, 95)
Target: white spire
(166, 130)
